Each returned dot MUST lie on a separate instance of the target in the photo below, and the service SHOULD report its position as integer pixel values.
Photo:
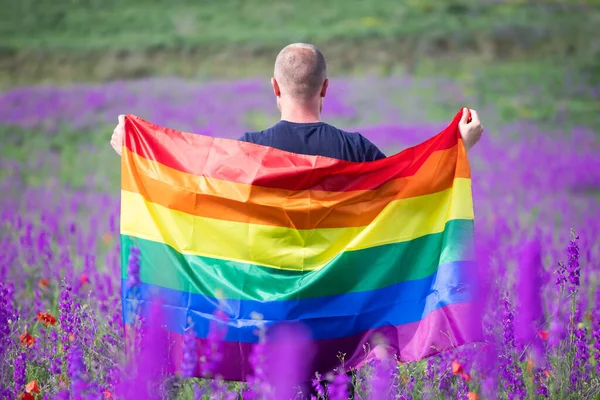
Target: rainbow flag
(352, 251)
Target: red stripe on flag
(259, 165)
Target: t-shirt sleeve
(246, 137)
(372, 152)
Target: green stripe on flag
(351, 271)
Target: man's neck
(300, 115)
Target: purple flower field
(537, 214)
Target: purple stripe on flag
(441, 330)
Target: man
(300, 84)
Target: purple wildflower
(217, 389)
(512, 381)
(5, 393)
(19, 373)
(445, 375)
(62, 395)
(38, 304)
(596, 331)
(529, 282)
(198, 391)
(561, 276)
(338, 388)
(489, 387)
(133, 268)
(27, 243)
(77, 371)
(407, 391)
(580, 370)
(573, 264)
(257, 382)
(190, 356)
(487, 364)
(318, 385)
(462, 391)
(381, 379)
(429, 377)
(112, 223)
(542, 388)
(56, 361)
(113, 378)
(288, 358)
(67, 318)
(43, 246)
(67, 263)
(529, 318)
(152, 357)
(6, 315)
(559, 324)
(216, 333)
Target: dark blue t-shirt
(316, 139)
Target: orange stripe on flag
(301, 209)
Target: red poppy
(543, 335)
(27, 340)
(456, 367)
(84, 279)
(26, 396)
(466, 376)
(43, 283)
(107, 238)
(46, 318)
(71, 337)
(32, 387)
(107, 394)
(472, 396)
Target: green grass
(107, 39)
(537, 90)
(528, 60)
(48, 158)
(140, 24)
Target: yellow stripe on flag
(288, 248)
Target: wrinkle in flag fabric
(357, 253)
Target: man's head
(300, 75)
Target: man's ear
(275, 85)
(324, 87)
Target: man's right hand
(116, 141)
(470, 130)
